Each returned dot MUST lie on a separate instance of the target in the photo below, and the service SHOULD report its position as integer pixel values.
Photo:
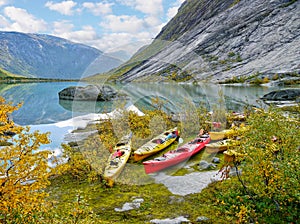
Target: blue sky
(109, 25)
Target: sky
(109, 25)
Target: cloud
(4, 2)
(65, 7)
(123, 23)
(61, 27)
(107, 42)
(124, 36)
(111, 42)
(179, 2)
(153, 7)
(4, 22)
(173, 10)
(152, 21)
(98, 8)
(64, 29)
(22, 21)
(121, 32)
(86, 34)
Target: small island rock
(282, 95)
(90, 93)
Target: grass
(229, 201)
(159, 203)
(288, 3)
(234, 3)
(100, 202)
(293, 109)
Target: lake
(41, 104)
(42, 109)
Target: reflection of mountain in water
(178, 97)
(41, 103)
(38, 103)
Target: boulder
(177, 220)
(135, 204)
(175, 200)
(216, 160)
(203, 165)
(283, 95)
(90, 93)
(202, 219)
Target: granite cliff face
(44, 56)
(220, 40)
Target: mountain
(222, 40)
(7, 75)
(45, 56)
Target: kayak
(219, 135)
(220, 146)
(156, 144)
(179, 155)
(117, 160)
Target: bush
(24, 170)
(269, 186)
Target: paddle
(180, 140)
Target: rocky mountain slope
(44, 56)
(222, 40)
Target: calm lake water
(42, 108)
(41, 104)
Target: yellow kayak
(220, 146)
(117, 160)
(219, 135)
(157, 144)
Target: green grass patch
(288, 3)
(266, 192)
(99, 203)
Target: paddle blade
(180, 140)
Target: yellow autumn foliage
(24, 169)
(268, 158)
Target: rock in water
(282, 95)
(90, 93)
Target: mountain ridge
(220, 41)
(46, 56)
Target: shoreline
(63, 132)
(24, 80)
(62, 129)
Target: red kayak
(176, 156)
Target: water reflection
(42, 104)
(86, 106)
